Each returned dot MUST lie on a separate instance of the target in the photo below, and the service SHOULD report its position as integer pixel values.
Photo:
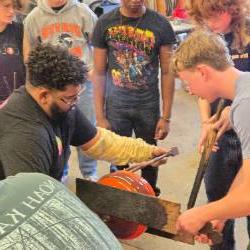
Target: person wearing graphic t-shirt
(130, 43)
(41, 120)
(12, 70)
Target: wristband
(165, 119)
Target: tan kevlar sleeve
(119, 150)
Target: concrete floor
(177, 176)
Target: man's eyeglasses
(71, 101)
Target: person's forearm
(205, 109)
(167, 81)
(119, 150)
(99, 82)
(167, 91)
(233, 205)
(236, 203)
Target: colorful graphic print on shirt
(132, 49)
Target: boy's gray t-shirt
(240, 112)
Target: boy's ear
(205, 71)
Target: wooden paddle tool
(158, 215)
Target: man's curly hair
(54, 67)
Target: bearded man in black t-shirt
(41, 120)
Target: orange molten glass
(131, 182)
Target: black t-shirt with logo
(12, 70)
(240, 58)
(31, 142)
(133, 46)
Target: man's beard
(57, 115)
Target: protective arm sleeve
(119, 150)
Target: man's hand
(218, 225)
(206, 128)
(154, 162)
(203, 137)
(162, 129)
(158, 151)
(191, 221)
(223, 124)
(103, 123)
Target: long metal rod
(137, 166)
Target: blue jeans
(222, 168)
(142, 121)
(88, 166)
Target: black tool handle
(197, 182)
(215, 236)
